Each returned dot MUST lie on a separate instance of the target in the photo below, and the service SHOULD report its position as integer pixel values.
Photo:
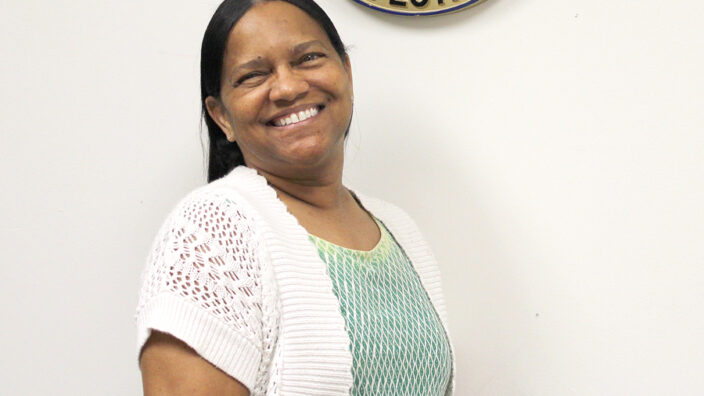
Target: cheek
(241, 107)
(335, 80)
(345, 85)
(244, 113)
(340, 89)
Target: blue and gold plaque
(418, 7)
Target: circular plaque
(417, 7)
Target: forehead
(272, 26)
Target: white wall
(551, 150)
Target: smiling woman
(275, 279)
(275, 83)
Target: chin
(314, 153)
(313, 159)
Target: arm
(200, 318)
(170, 367)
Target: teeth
(294, 118)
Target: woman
(274, 278)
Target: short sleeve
(202, 284)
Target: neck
(321, 190)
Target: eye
(310, 57)
(249, 78)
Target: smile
(296, 117)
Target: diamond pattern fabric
(398, 344)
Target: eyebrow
(253, 64)
(304, 46)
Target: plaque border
(437, 12)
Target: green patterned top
(399, 346)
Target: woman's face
(286, 95)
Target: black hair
(223, 155)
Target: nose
(288, 86)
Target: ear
(219, 114)
(348, 64)
(348, 68)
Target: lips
(295, 116)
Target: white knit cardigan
(233, 275)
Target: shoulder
(402, 227)
(395, 218)
(224, 200)
(212, 231)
